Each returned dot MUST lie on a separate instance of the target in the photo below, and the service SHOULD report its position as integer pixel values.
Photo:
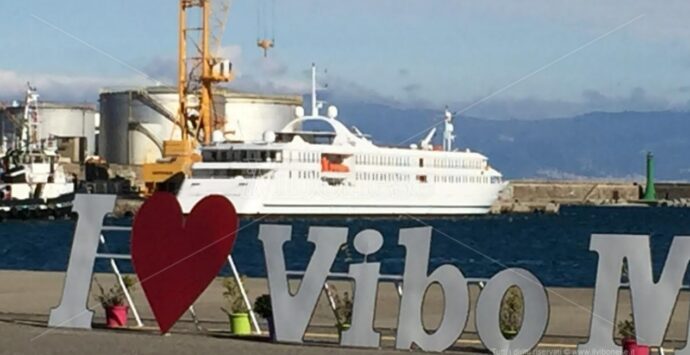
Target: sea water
(555, 247)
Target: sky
(494, 59)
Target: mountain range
(596, 145)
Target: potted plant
(510, 316)
(343, 309)
(237, 310)
(626, 329)
(114, 302)
(262, 307)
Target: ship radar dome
(269, 136)
(332, 112)
(299, 112)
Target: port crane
(201, 26)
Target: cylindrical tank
(135, 122)
(133, 126)
(249, 116)
(59, 120)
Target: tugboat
(32, 183)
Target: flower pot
(342, 328)
(239, 324)
(631, 347)
(116, 316)
(509, 334)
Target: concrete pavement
(26, 298)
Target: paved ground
(26, 298)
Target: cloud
(637, 100)
(234, 53)
(271, 66)
(67, 88)
(591, 100)
(163, 69)
(412, 88)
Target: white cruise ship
(338, 171)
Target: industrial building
(135, 122)
(71, 127)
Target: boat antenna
(314, 107)
(448, 136)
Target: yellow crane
(198, 70)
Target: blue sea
(555, 247)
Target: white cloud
(592, 100)
(61, 87)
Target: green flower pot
(239, 324)
(342, 328)
(509, 334)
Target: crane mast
(198, 70)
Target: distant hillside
(594, 145)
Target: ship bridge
(335, 134)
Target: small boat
(32, 182)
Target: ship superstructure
(338, 171)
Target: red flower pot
(631, 347)
(116, 316)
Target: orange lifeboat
(328, 166)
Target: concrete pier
(26, 298)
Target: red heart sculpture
(176, 258)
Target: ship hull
(267, 197)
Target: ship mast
(448, 136)
(314, 104)
(31, 133)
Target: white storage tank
(58, 120)
(135, 122)
(249, 116)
